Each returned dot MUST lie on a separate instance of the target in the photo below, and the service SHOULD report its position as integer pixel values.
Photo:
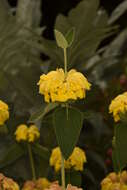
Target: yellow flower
(42, 183)
(57, 86)
(21, 133)
(39, 184)
(29, 185)
(71, 187)
(106, 184)
(123, 187)
(33, 133)
(25, 133)
(75, 161)
(118, 106)
(55, 186)
(7, 183)
(4, 113)
(55, 159)
(114, 181)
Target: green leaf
(62, 24)
(119, 10)
(85, 43)
(116, 46)
(15, 50)
(42, 112)
(67, 126)
(41, 151)
(110, 59)
(70, 36)
(14, 152)
(83, 15)
(120, 152)
(60, 39)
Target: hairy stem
(65, 61)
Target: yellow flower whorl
(115, 181)
(75, 161)
(118, 106)
(4, 113)
(55, 186)
(42, 183)
(58, 87)
(24, 133)
(39, 184)
(7, 183)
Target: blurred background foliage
(27, 49)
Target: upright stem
(62, 172)
(117, 152)
(31, 161)
(65, 70)
(65, 61)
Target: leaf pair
(64, 41)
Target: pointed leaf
(60, 39)
(67, 128)
(62, 24)
(70, 36)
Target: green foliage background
(99, 51)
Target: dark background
(51, 8)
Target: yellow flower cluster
(115, 181)
(40, 184)
(56, 186)
(25, 133)
(7, 183)
(4, 113)
(57, 86)
(118, 106)
(75, 161)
